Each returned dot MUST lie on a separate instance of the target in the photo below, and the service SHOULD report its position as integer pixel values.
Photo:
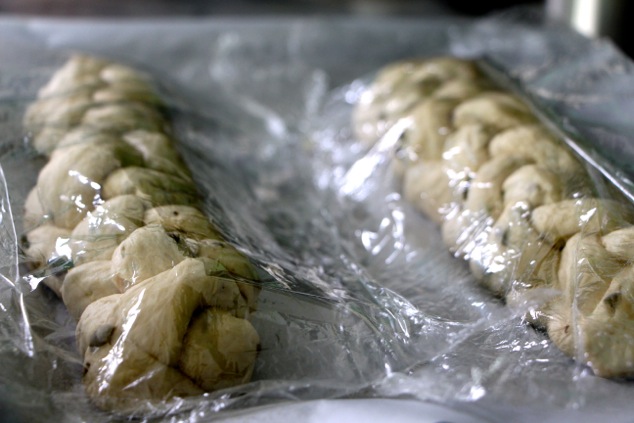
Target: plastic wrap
(359, 297)
(102, 231)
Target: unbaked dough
(514, 202)
(114, 227)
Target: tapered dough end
(560, 327)
(427, 187)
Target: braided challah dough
(114, 224)
(514, 202)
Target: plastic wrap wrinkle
(354, 301)
(9, 264)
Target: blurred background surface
(251, 7)
(594, 18)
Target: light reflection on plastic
(97, 221)
(518, 346)
(62, 247)
(390, 234)
(585, 217)
(482, 185)
(115, 357)
(477, 392)
(28, 338)
(135, 273)
(397, 233)
(7, 280)
(77, 199)
(94, 222)
(32, 281)
(114, 223)
(388, 369)
(456, 175)
(358, 93)
(468, 242)
(451, 152)
(585, 16)
(363, 169)
(278, 273)
(367, 238)
(84, 180)
(488, 254)
(96, 200)
(378, 247)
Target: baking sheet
(273, 98)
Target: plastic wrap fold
(358, 296)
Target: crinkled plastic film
(422, 133)
(358, 295)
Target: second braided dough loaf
(514, 202)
